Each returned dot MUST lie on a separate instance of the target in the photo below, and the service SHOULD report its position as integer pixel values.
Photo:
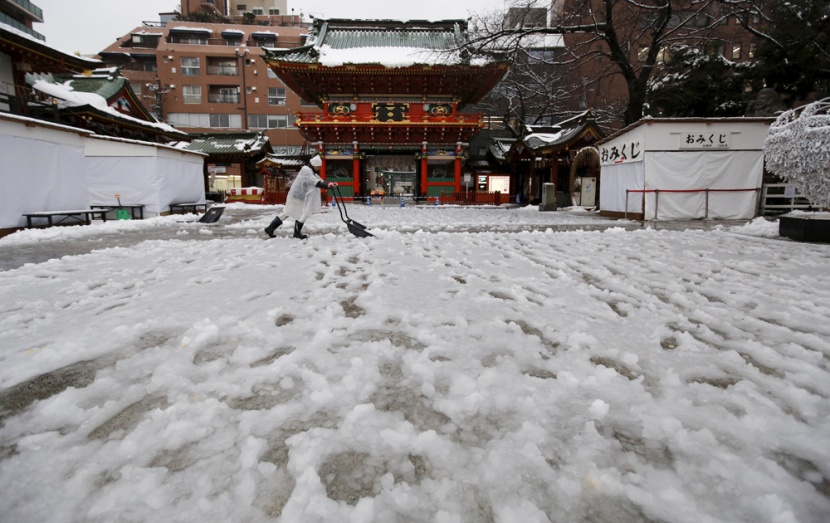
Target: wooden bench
(191, 207)
(136, 209)
(84, 216)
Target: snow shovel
(121, 213)
(212, 215)
(358, 229)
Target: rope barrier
(658, 191)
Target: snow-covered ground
(465, 365)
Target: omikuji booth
(679, 168)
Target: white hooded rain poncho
(304, 196)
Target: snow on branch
(797, 148)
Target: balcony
(6, 19)
(223, 70)
(30, 9)
(224, 96)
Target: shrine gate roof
(369, 58)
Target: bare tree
(530, 93)
(609, 44)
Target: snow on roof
(147, 33)
(237, 31)
(6, 27)
(542, 41)
(103, 72)
(386, 56)
(192, 29)
(69, 98)
(548, 137)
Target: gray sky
(88, 26)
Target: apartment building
(20, 15)
(202, 77)
(597, 83)
(236, 8)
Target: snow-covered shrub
(797, 149)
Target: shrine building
(392, 95)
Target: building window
(233, 40)
(205, 120)
(241, 7)
(715, 47)
(736, 51)
(145, 41)
(223, 66)
(225, 120)
(265, 39)
(751, 51)
(136, 89)
(258, 121)
(274, 12)
(276, 96)
(150, 67)
(220, 120)
(258, 11)
(190, 66)
(270, 121)
(223, 95)
(192, 94)
(536, 56)
(191, 39)
(189, 119)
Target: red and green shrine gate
(392, 96)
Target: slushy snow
(464, 365)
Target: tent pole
(626, 204)
(656, 201)
(706, 215)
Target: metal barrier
(474, 198)
(658, 191)
(781, 198)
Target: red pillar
(457, 187)
(424, 168)
(356, 172)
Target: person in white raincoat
(303, 198)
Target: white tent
(683, 168)
(48, 167)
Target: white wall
(48, 167)
(155, 176)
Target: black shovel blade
(358, 230)
(212, 215)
